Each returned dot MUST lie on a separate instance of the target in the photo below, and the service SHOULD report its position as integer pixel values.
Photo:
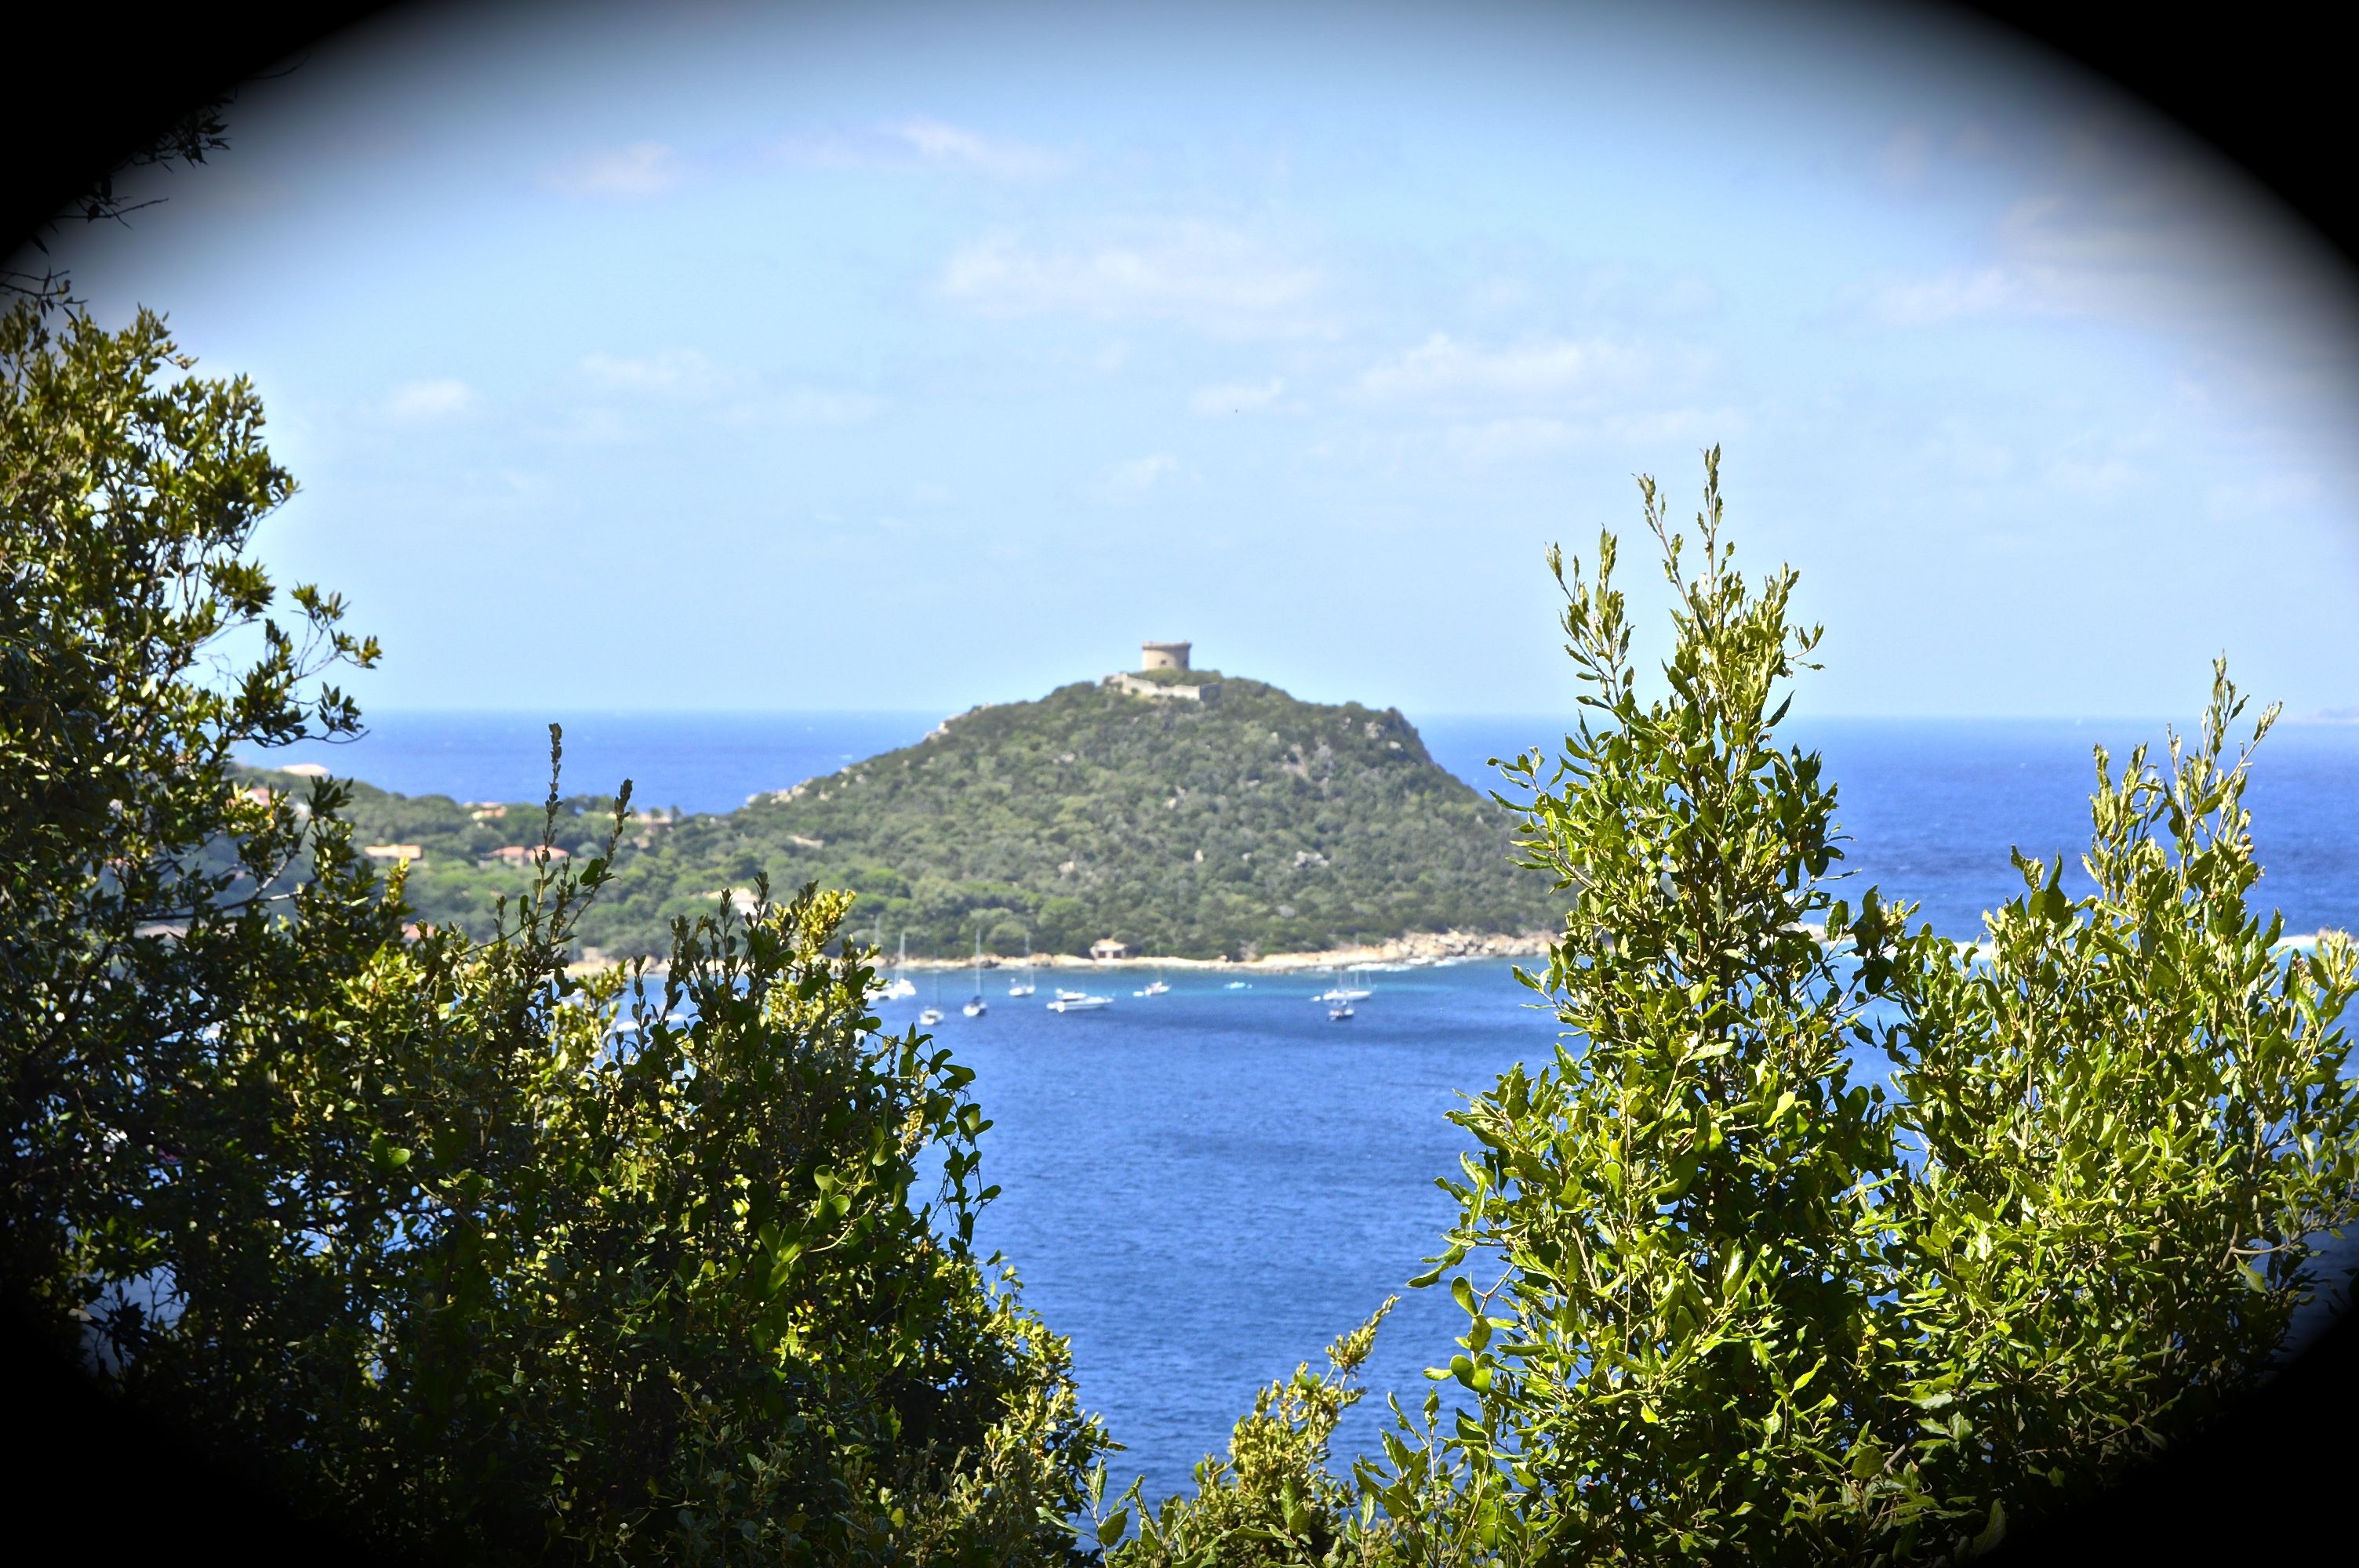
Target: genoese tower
(1156, 658)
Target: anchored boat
(978, 1007)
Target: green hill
(1251, 822)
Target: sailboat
(1022, 984)
(933, 1014)
(1339, 991)
(978, 1007)
(1155, 986)
(902, 984)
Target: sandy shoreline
(1423, 947)
(1411, 951)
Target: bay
(1201, 1189)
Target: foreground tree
(444, 1244)
(1736, 1304)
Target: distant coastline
(1415, 950)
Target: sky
(721, 356)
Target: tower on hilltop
(1154, 658)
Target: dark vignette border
(91, 87)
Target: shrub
(1725, 1302)
(450, 1247)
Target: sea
(1203, 1188)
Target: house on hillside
(399, 852)
(519, 855)
(1107, 947)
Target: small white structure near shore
(1107, 947)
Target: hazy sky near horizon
(728, 356)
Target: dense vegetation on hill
(1252, 823)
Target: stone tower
(1163, 656)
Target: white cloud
(803, 406)
(689, 377)
(1686, 298)
(1969, 454)
(1213, 278)
(1961, 292)
(2108, 223)
(678, 373)
(422, 400)
(2257, 498)
(2101, 465)
(1443, 366)
(1130, 482)
(634, 173)
(1506, 441)
(1237, 398)
(921, 143)
(1907, 154)
(1478, 445)
(592, 428)
(939, 144)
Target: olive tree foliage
(134, 878)
(454, 1248)
(1729, 1298)
(1272, 1501)
(2131, 1119)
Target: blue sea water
(1202, 1189)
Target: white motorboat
(1064, 995)
(1338, 1013)
(1155, 986)
(1078, 1003)
(1236, 986)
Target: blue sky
(737, 357)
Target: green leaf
(1994, 1530)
